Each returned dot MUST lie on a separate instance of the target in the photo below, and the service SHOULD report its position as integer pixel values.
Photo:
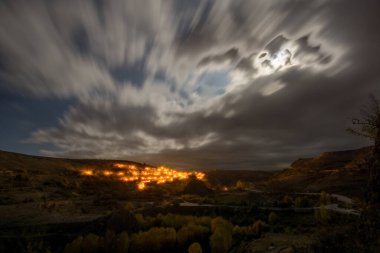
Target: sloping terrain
(38, 167)
(344, 172)
(19, 170)
(56, 200)
(338, 172)
(230, 177)
(42, 190)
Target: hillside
(337, 172)
(37, 174)
(343, 172)
(19, 163)
(51, 201)
(230, 177)
(38, 169)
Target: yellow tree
(195, 248)
(122, 243)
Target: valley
(48, 203)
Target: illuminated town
(143, 176)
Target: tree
(153, 240)
(298, 202)
(196, 187)
(90, 243)
(218, 243)
(324, 198)
(301, 202)
(75, 246)
(240, 185)
(122, 243)
(272, 218)
(190, 233)
(122, 220)
(107, 243)
(322, 215)
(257, 227)
(195, 248)
(221, 238)
(221, 223)
(287, 201)
(368, 126)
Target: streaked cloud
(206, 84)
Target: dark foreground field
(49, 205)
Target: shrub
(75, 246)
(258, 227)
(253, 230)
(122, 243)
(195, 248)
(107, 243)
(122, 220)
(237, 230)
(90, 243)
(153, 240)
(191, 232)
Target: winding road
(331, 207)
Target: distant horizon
(181, 168)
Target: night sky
(189, 84)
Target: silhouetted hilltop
(196, 187)
(338, 172)
(230, 177)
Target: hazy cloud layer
(199, 84)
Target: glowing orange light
(120, 165)
(107, 173)
(125, 179)
(141, 186)
(87, 172)
(200, 175)
(145, 175)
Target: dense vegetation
(218, 230)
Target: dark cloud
(203, 84)
(275, 45)
(230, 55)
(246, 64)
